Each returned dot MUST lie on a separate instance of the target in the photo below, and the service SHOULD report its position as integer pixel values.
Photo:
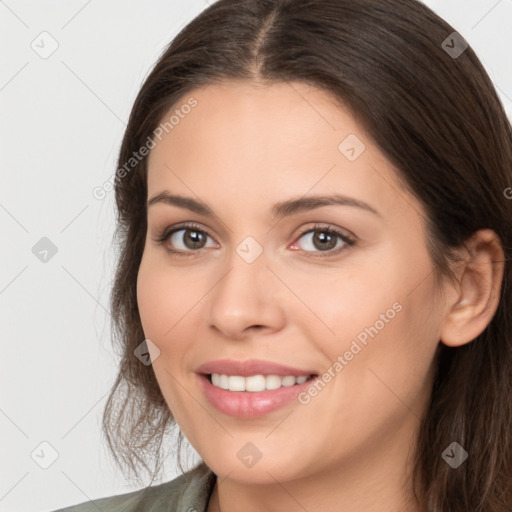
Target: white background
(62, 119)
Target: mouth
(248, 397)
(255, 383)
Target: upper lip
(250, 367)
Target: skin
(243, 148)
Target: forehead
(246, 140)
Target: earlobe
(479, 290)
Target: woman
(315, 239)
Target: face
(342, 291)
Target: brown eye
(192, 239)
(188, 239)
(324, 239)
(185, 240)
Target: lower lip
(250, 404)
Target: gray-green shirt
(189, 492)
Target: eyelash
(165, 234)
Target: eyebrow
(279, 210)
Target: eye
(185, 240)
(324, 239)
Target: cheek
(379, 319)
(163, 301)
(392, 371)
(164, 297)
(149, 300)
(338, 303)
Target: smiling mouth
(256, 383)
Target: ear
(476, 297)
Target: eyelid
(319, 226)
(169, 230)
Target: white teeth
(236, 383)
(255, 383)
(272, 382)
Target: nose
(246, 299)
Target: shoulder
(190, 491)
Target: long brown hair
(436, 116)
